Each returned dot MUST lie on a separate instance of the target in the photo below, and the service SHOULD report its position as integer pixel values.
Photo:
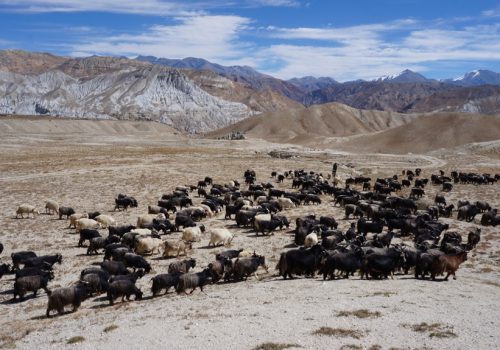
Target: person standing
(334, 169)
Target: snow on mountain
(406, 76)
(476, 78)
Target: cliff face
(118, 91)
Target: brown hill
(386, 96)
(90, 67)
(302, 125)
(428, 133)
(479, 99)
(258, 100)
(24, 62)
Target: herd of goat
(321, 247)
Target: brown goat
(448, 264)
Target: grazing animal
(299, 262)
(244, 267)
(164, 281)
(124, 289)
(19, 258)
(22, 285)
(345, 262)
(26, 209)
(43, 261)
(311, 240)
(193, 281)
(147, 245)
(32, 271)
(86, 223)
(105, 220)
(147, 219)
(448, 264)
(125, 202)
(136, 262)
(73, 218)
(473, 238)
(181, 266)
(134, 276)
(67, 211)
(115, 267)
(120, 230)
(220, 236)
(193, 234)
(51, 207)
(176, 247)
(95, 283)
(87, 234)
(61, 297)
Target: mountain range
(195, 95)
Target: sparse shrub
(435, 330)
(275, 346)
(443, 334)
(110, 328)
(338, 332)
(76, 339)
(362, 313)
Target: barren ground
(87, 169)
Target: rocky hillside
(264, 100)
(483, 99)
(25, 62)
(378, 95)
(151, 93)
(244, 75)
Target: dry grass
(339, 332)
(110, 328)
(443, 334)
(351, 347)
(435, 330)
(491, 283)
(362, 313)
(76, 339)
(275, 346)
(383, 294)
(486, 269)
(425, 327)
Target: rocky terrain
(194, 95)
(151, 93)
(85, 164)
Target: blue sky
(346, 40)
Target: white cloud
(275, 3)
(345, 53)
(492, 13)
(144, 7)
(210, 37)
(369, 51)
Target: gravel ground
(88, 170)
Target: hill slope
(428, 133)
(306, 124)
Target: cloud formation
(143, 7)
(363, 51)
(210, 37)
